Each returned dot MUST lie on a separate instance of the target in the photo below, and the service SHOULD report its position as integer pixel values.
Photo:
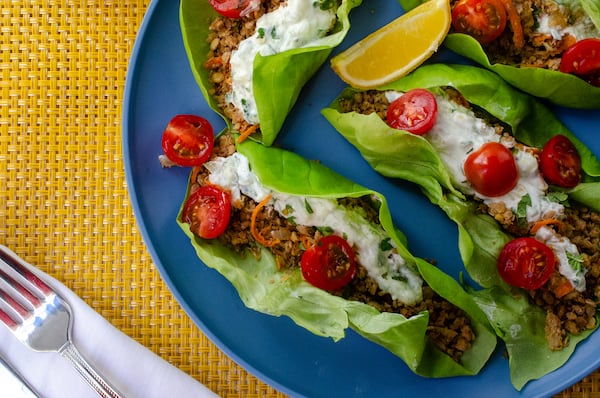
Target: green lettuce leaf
(592, 9)
(277, 79)
(518, 325)
(265, 288)
(398, 154)
(556, 87)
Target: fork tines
(21, 292)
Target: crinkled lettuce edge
(556, 87)
(399, 154)
(264, 288)
(277, 79)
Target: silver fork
(41, 319)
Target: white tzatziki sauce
(391, 272)
(579, 26)
(293, 25)
(563, 249)
(456, 133)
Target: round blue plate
(159, 85)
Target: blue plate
(159, 85)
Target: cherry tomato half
(188, 140)
(492, 169)
(233, 8)
(415, 111)
(207, 210)
(484, 20)
(582, 58)
(526, 263)
(330, 264)
(560, 162)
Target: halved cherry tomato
(492, 169)
(207, 210)
(526, 263)
(560, 162)
(188, 140)
(484, 20)
(415, 111)
(330, 264)
(582, 59)
(234, 8)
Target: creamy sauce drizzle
(456, 133)
(294, 25)
(391, 272)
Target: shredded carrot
(515, 24)
(247, 132)
(306, 242)
(194, 175)
(541, 223)
(279, 262)
(564, 288)
(213, 63)
(255, 233)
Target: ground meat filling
(449, 327)
(570, 314)
(540, 49)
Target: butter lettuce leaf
(277, 79)
(265, 288)
(592, 8)
(518, 324)
(556, 87)
(559, 88)
(398, 154)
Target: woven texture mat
(64, 204)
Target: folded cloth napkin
(132, 369)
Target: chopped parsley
(325, 230)
(521, 213)
(325, 4)
(385, 245)
(522, 206)
(575, 261)
(309, 209)
(400, 278)
(288, 210)
(558, 197)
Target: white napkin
(131, 368)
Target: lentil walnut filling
(535, 49)
(572, 313)
(449, 327)
(225, 36)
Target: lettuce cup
(252, 67)
(528, 224)
(298, 240)
(547, 48)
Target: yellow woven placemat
(64, 204)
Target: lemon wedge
(395, 49)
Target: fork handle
(89, 374)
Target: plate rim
(130, 84)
